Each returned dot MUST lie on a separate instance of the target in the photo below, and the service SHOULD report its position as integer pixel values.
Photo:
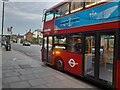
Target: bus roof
(65, 1)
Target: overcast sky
(23, 16)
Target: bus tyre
(60, 65)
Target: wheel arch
(59, 58)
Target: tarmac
(21, 71)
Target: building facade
(29, 36)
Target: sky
(24, 15)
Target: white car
(25, 43)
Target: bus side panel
(105, 26)
(70, 57)
(118, 75)
(77, 69)
(49, 27)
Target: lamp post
(3, 20)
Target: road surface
(33, 51)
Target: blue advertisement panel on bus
(101, 14)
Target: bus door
(107, 57)
(50, 42)
(45, 49)
(99, 57)
(89, 55)
(47, 52)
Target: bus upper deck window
(49, 15)
(65, 9)
(99, 1)
(75, 6)
(58, 12)
(62, 10)
(90, 3)
(94, 2)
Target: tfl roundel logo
(72, 63)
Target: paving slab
(37, 82)
(24, 71)
(11, 74)
(6, 85)
(27, 77)
(21, 84)
(51, 79)
(10, 79)
(60, 77)
(40, 86)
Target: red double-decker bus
(83, 38)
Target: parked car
(26, 43)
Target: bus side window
(90, 3)
(78, 46)
(60, 42)
(75, 6)
(75, 43)
(58, 12)
(62, 10)
(94, 2)
(65, 9)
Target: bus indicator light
(57, 52)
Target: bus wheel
(60, 65)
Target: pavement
(21, 71)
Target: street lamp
(3, 20)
